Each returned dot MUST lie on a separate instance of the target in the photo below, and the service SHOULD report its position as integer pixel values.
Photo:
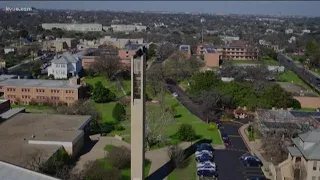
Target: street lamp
(202, 20)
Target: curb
(243, 139)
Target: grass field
(265, 59)
(290, 76)
(125, 173)
(187, 173)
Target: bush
(212, 126)
(186, 132)
(119, 112)
(100, 94)
(95, 171)
(119, 127)
(120, 157)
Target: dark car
(226, 139)
(204, 146)
(207, 173)
(257, 178)
(204, 157)
(251, 161)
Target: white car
(199, 153)
(175, 94)
(207, 165)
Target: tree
(186, 133)
(94, 171)
(107, 64)
(36, 69)
(119, 112)
(312, 48)
(120, 157)
(177, 156)
(101, 94)
(152, 51)
(203, 81)
(155, 79)
(165, 50)
(156, 120)
(23, 33)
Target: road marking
(234, 136)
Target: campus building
(240, 50)
(73, 27)
(26, 91)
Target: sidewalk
(254, 148)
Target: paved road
(305, 74)
(229, 166)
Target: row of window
(69, 98)
(25, 90)
(11, 89)
(243, 57)
(248, 54)
(26, 97)
(55, 98)
(11, 96)
(235, 49)
(60, 65)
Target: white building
(9, 49)
(305, 31)
(73, 27)
(229, 38)
(289, 31)
(65, 65)
(120, 42)
(128, 28)
(292, 39)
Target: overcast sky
(305, 8)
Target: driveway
(227, 160)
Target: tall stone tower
(138, 84)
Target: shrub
(119, 112)
(186, 132)
(212, 126)
(120, 157)
(119, 127)
(95, 171)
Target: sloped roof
(312, 137)
(66, 58)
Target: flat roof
(17, 131)
(12, 172)
(6, 76)
(38, 83)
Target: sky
(301, 8)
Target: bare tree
(156, 120)
(155, 79)
(107, 63)
(120, 157)
(36, 160)
(177, 156)
(165, 50)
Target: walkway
(254, 148)
(97, 150)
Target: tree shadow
(167, 168)
(88, 146)
(178, 116)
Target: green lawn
(290, 76)
(106, 110)
(108, 147)
(112, 85)
(269, 61)
(265, 59)
(125, 173)
(187, 173)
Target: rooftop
(5, 77)
(12, 172)
(184, 48)
(133, 46)
(308, 144)
(38, 83)
(17, 133)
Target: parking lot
(228, 163)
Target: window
(314, 166)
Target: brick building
(240, 50)
(25, 91)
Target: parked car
(204, 146)
(226, 139)
(207, 164)
(204, 157)
(200, 153)
(175, 94)
(207, 173)
(249, 160)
